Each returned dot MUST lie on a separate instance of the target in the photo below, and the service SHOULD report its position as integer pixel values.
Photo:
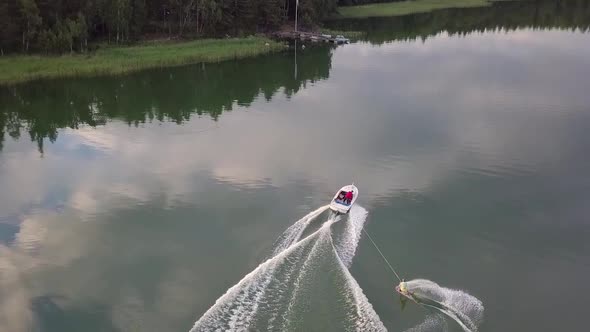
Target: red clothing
(348, 195)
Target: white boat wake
(294, 232)
(306, 284)
(466, 310)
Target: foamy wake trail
(463, 308)
(346, 246)
(305, 286)
(293, 233)
(431, 323)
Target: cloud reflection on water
(398, 117)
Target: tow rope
(383, 256)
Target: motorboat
(341, 40)
(340, 203)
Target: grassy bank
(117, 60)
(405, 7)
(347, 34)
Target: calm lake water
(133, 203)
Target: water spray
(463, 308)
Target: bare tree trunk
(180, 25)
(198, 27)
(286, 9)
(118, 22)
(26, 38)
(166, 23)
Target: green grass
(347, 34)
(405, 7)
(118, 60)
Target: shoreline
(402, 8)
(120, 60)
(116, 60)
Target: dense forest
(59, 26)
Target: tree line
(362, 2)
(60, 26)
(505, 15)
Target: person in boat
(348, 197)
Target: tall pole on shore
(296, 7)
(295, 71)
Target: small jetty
(310, 36)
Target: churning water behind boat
(302, 279)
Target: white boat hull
(340, 205)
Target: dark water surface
(132, 203)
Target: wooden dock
(310, 36)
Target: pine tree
(30, 22)
(138, 18)
(9, 27)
